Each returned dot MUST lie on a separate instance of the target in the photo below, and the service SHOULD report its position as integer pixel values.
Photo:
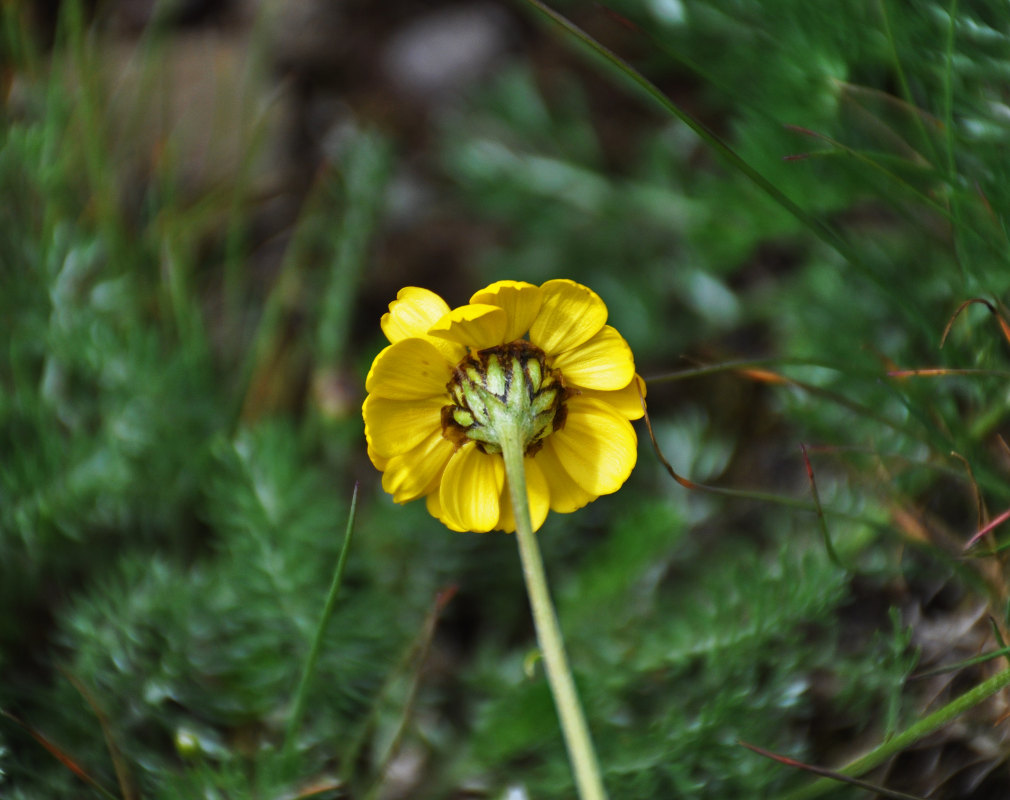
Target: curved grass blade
(970, 662)
(880, 791)
(1004, 326)
(994, 523)
(899, 71)
(60, 755)
(126, 786)
(748, 370)
(416, 657)
(908, 737)
(301, 693)
(814, 224)
(828, 546)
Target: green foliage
(92, 390)
(212, 651)
(173, 571)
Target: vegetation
(787, 207)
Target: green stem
(302, 693)
(573, 722)
(909, 736)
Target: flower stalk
(581, 754)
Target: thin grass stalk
(906, 91)
(302, 692)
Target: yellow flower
(538, 360)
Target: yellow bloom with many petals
(537, 361)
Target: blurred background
(206, 208)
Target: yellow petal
(539, 498)
(410, 316)
(393, 427)
(412, 474)
(520, 301)
(378, 461)
(471, 489)
(597, 447)
(409, 369)
(476, 325)
(570, 314)
(566, 495)
(412, 312)
(604, 362)
(627, 400)
(435, 509)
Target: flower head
(536, 362)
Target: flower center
(504, 389)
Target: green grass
(180, 435)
